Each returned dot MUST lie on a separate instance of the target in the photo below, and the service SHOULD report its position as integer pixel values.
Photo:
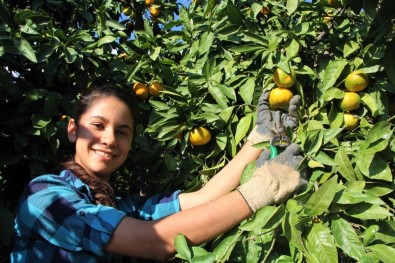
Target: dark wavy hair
(102, 190)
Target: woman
(75, 216)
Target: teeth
(104, 154)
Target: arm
(224, 181)
(272, 182)
(269, 123)
(155, 239)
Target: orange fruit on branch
(127, 11)
(155, 88)
(265, 10)
(149, 2)
(154, 11)
(350, 101)
(199, 136)
(350, 121)
(284, 79)
(141, 90)
(279, 98)
(356, 81)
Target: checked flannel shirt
(58, 221)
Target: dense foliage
(214, 59)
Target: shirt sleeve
(150, 208)
(61, 215)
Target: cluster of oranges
(355, 81)
(143, 91)
(154, 11)
(281, 95)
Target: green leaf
(246, 48)
(386, 233)
(242, 127)
(373, 166)
(247, 90)
(377, 138)
(350, 47)
(71, 55)
(205, 42)
(40, 121)
(267, 217)
(223, 250)
(331, 94)
(369, 102)
(106, 40)
(25, 49)
(115, 25)
(350, 197)
(313, 142)
(255, 38)
(182, 248)
(347, 239)
(330, 134)
(369, 234)
(234, 15)
(247, 172)
(206, 258)
(227, 91)
(221, 140)
(383, 252)
(332, 73)
(293, 231)
(292, 5)
(292, 49)
(323, 158)
(368, 211)
(320, 243)
(344, 165)
(319, 201)
(219, 96)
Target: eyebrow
(104, 119)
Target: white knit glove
(269, 123)
(275, 180)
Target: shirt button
(82, 213)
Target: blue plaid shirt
(58, 221)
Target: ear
(72, 131)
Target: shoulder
(65, 178)
(55, 186)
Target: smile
(106, 155)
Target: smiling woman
(76, 216)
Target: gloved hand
(275, 180)
(269, 123)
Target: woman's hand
(269, 122)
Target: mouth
(104, 154)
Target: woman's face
(103, 136)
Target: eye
(123, 132)
(97, 125)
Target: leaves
(347, 239)
(319, 201)
(214, 59)
(320, 243)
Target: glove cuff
(259, 135)
(255, 197)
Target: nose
(108, 137)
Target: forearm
(224, 181)
(200, 224)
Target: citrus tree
(197, 70)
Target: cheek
(125, 144)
